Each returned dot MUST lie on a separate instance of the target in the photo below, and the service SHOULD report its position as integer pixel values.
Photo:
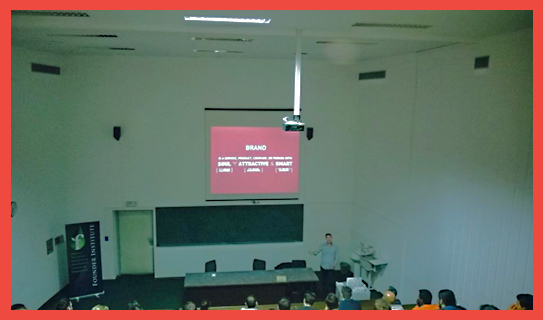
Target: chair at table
(284, 265)
(211, 266)
(345, 272)
(299, 264)
(259, 264)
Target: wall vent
(482, 62)
(36, 67)
(222, 39)
(392, 25)
(84, 35)
(439, 47)
(49, 13)
(372, 75)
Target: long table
(231, 288)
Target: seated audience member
(447, 300)
(524, 302)
(283, 304)
(488, 307)
(332, 302)
(134, 305)
(250, 303)
(204, 304)
(424, 301)
(390, 297)
(189, 306)
(381, 304)
(18, 306)
(64, 304)
(100, 307)
(309, 300)
(347, 303)
(393, 290)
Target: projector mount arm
(295, 123)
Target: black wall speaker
(309, 133)
(117, 133)
(13, 208)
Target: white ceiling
(165, 33)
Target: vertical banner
(84, 259)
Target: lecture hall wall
(38, 179)
(159, 102)
(444, 171)
(432, 166)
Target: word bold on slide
(251, 147)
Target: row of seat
(211, 266)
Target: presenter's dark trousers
(328, 282)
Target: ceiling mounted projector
(293, 124)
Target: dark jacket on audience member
(306, 308)
(349, 304)
(452, 308)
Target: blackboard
(211, 225)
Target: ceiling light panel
(347, 42)
(49, 13)
(84, 35)
(215, 51)
(219, 19)
(392, 25)
(222, 39)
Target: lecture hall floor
(153, 294)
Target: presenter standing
(329, 260)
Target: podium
(360, 291)
(371, 266)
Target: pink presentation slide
(253, 160)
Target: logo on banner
(78, 242)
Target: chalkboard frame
(226, 225)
